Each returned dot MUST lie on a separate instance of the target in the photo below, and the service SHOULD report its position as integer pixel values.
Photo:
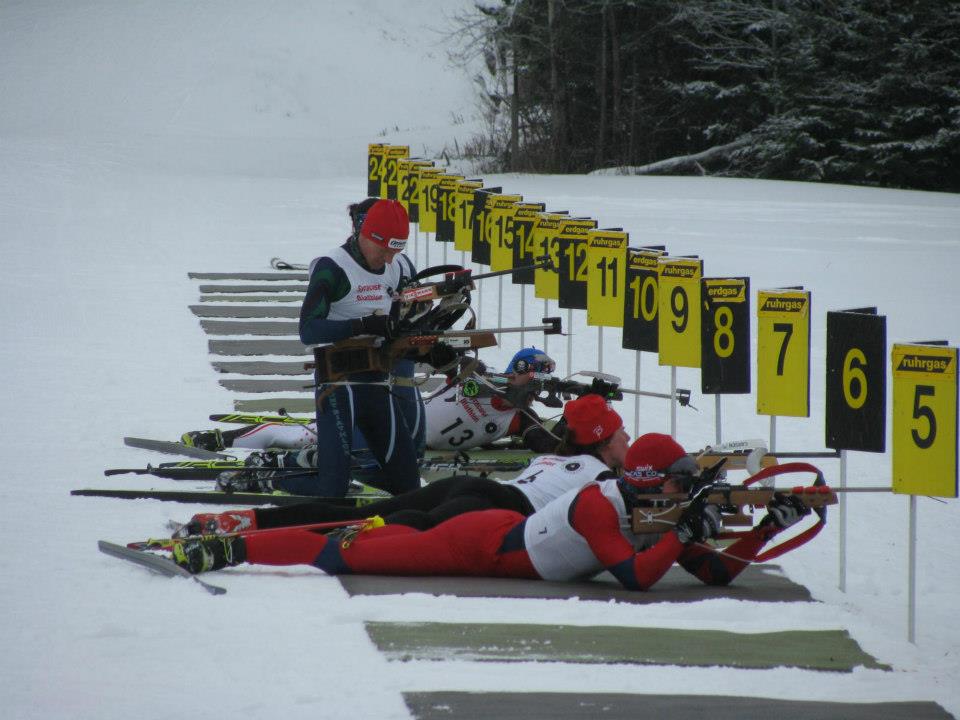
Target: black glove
(784, 511)
(442, 356)
(699, 520)
(382, 325)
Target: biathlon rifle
(660, 512)
(552, 391)
(370, 354)
(456, 279)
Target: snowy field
(140, 141)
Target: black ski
(155, 563)
(184, 470)
(219, 497)
(174, 448)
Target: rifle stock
(367, 354)
(665, 508)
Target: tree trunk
(680, 161)
(515, 117)
(557, 120)
(601, 86)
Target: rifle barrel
(544, 261)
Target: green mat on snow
(832, 650)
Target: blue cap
(532, 359)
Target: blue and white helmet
(531, 359)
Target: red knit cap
(591, 420)
(653, 451)
(387, 224)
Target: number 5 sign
(925, 420)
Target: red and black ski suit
(574, 537)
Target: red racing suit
(575, 536)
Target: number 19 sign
(925, 420)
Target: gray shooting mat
(271, 288)
(824, 650)
(268, 276)
(304, 385)
(246, 311)
(258, 347)
(239, 327)
(758, 583)
(618, 706)
(261, 367)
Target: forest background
(861, 92)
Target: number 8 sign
(925, 420)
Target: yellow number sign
(375, 153)
(428, 180)
(679, 311)
(463, 215)
(606, 276)
(925, 420)
(408, 182)
(388, 178)
(783, 353)
(499, 229)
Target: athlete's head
(386, 223)
(531, 359)
(652, 460)
(595, 428)
(381, 228)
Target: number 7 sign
(783, 353)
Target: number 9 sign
(679, 311)
(925, 420)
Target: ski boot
(258, 473)
(223, 523)
(211, 440)
(210, 553)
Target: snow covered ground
(140, 141)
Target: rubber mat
(272, 287)
(828, 650)
(275, 298)
(616, 706)
(258, 347)
(758, 583)
(269, 276)
(261, 367)
(239, 327)
(246, 311)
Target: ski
(211, 469)
(220, 497)
(174, 448)
(252, 419)
(184, 470)
(155, 563)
